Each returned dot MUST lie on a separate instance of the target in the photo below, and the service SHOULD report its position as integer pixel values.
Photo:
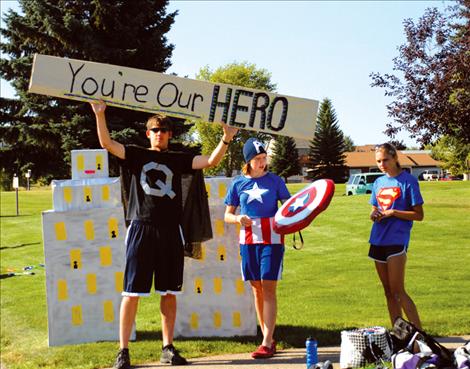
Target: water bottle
(312, 355)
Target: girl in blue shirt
(396, 202)
(257, 193)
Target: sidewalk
(285, 359)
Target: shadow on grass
(20, 245)
(289, 336)
(15, 216)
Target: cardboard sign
(154, 92)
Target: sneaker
(122, 360)
(263, 352)
(170, 355)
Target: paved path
(285, 359)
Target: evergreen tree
(37, 131)
(349, 144)
(326, 153)
(239, 74)
(285, 161)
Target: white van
(361, 183)
(431, 175)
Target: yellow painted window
(236, 319)
(222, 190)
(67, 191)
(217, 319)
(108, 311)
(87, 194)
(113, 228)
(60, 231)
(91, 283)
(77, 318)
(119, 281)
(219, 227)
(106, 256)
(194, 322)
(217, 285)
(62, 294)
(221, 253)
(99, 162)
(105, 193)
(89, 230)
(239, 286)
(198, 284)
(80, 162)
(75, 259)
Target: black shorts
(153, 253)
(382, 253)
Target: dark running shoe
(170, 355)
(122, 360)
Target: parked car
(361, 183)
(449, 177)
(431, 175)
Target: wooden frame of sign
(154, 92)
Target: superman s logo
(387, 196)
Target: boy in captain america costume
(257, 193)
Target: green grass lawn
(328, 286)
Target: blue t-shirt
(257, 197)
(400, 193)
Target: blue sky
(313, 49)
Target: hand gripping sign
(137, 89)
(299, 211)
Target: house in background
(415, 162)
(362, 160)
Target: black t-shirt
(155, 184)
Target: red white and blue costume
(261, 248)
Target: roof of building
(367, 159)
(422, 159)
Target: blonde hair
(389, 149)
(246, 169)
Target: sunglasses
(159, 129)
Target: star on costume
(255, 193)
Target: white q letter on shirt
(163, 188)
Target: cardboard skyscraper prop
(84, 253)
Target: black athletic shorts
(153, 253)
(382, 253)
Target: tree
(349, 144)
(326, 152)
(37, 131)
(209, 134)
(431, 88)
(399, 144)
(453, 154)
(285, 161)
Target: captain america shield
(299, 211)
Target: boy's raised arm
(114, 147)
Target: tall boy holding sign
(154, 239)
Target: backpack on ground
(413, 348)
